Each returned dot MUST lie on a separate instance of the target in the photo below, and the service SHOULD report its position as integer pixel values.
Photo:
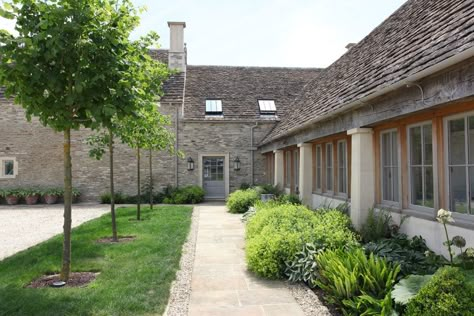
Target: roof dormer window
(213, 107)
(267, 107)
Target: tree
(73, 65)
(147, 130)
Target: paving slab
(221, 284)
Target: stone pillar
(279, 169)
(362, 174)
(306, 173)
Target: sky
(279, 33)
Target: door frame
(226, 168)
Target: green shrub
(268, 189)
(361, 285)
(245, 186)
(119, 198)
(241, 200)
(276, 233)
(447, 293)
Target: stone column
(279, 169)
(306, 173)
(362, 174)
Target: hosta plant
(303, 267)
(408, 287)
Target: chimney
(177, 52)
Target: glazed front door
(213, 177)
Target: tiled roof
(159, 54)
(420, 34)
(240, 88)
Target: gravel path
(23, 226)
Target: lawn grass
(135, 277)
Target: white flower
(470, 252)
(444, 216)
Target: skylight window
(267, 107)
(214, 107)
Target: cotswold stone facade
(234, 133)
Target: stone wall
(233, 138)
(39, 154)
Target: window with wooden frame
(287, 169)
(390, 177)
(342, 167)
(296, 170)
(318, 168)
(270, 168)
(329, 168)
(460, 163)
(420, 166)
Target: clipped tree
(147, 130)
(72, 65)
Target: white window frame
(319, 173)
(210, 110)
(433, 166)
(15, 168)
(396, 204)
(331, 174)
(267, 107)
(344, 194)
(469, 217)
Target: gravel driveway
(23, 226)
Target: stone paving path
(23, 226)
(221, 284)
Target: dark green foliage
(245, 186)
(191, 194)
(446, 294)
(276, 233)
(377, 226)
(241, 200)
(135, 277)
(361, 285)
(412, 254)
(268, 189)
(169, 195)
(289, 198)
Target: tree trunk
(66, 264)
(138, 184)
(151, 180)
(112, 191)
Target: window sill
(460, 220)
(333, 196)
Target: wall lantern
(190, 164)
(237, 164)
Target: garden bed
(134, 279)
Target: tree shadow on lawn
(134, 277)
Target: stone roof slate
(420, 34)
(240, 88)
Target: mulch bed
(109, 240)
(76, 279)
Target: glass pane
(457, 152)
(394, 148)
(318, 156)
(416, 185)
(395, 184)
(386, 149)
(415, 146)
(296, 168)
(428, 144)
(457, 189)
(329, 155)
(471, 139)
(429, 192)
(471, 190)
(8, 168)
(329, 176)
(288, 168)
(387, 184)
